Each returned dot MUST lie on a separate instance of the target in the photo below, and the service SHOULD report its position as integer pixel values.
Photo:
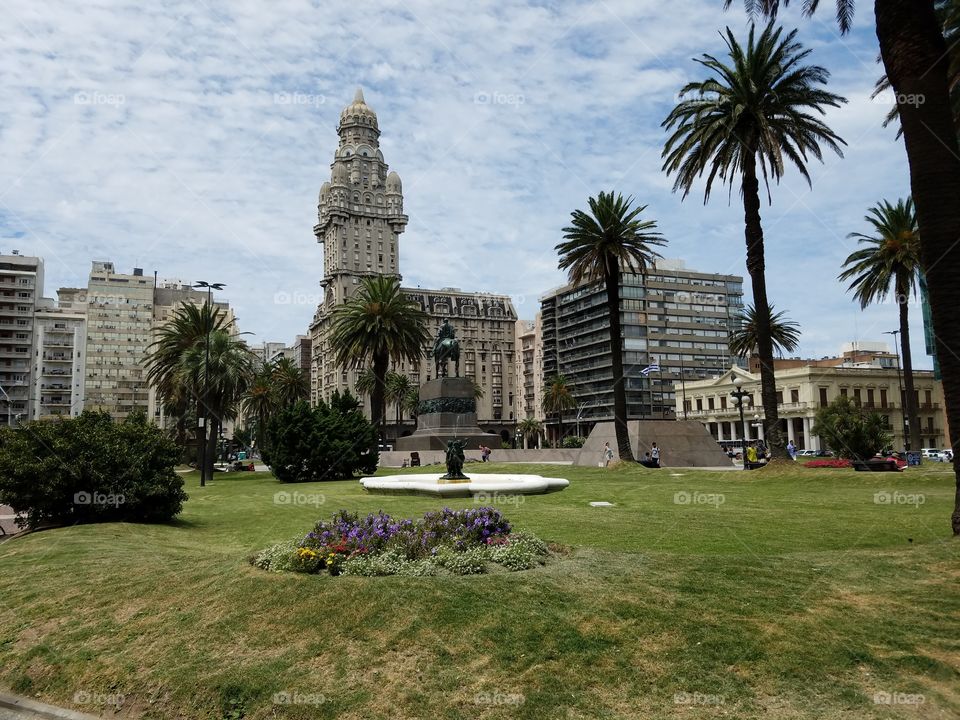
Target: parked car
(807, 453)
(944, 456)
(929, 453)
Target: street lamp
(903, 405)
(739, 396)
(579, 415)
(202, 416)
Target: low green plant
(278, 558)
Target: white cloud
(209, 167)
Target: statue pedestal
(447, 411)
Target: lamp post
(903, 405)
(202, 417)
(579, 415)
(739, 395)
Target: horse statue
(446, 347)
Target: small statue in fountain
(455, 460)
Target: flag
(649, 369)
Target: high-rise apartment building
(59, 360)
(21, 287)
(529, 371)
(360, 221)
(119, 310)
(675, 325)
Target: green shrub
(469, 562)
(573, 442)
(278, 558)
(90, 469)
(850, 431)
(326, 442)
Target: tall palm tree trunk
(915, 57)
(214, 423)
(559, 428)
(378, 394)
(755, 267)
(612, 279)
(909, 408)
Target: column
(720, 431)
(790, 433)
(760, 433)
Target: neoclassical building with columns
(360, 220)
(801, 391)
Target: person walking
(655, 454)
(792, 450)
(751, 456)
(485, 453)
(607, 454)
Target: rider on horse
(446, 347)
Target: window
(856, 396)
(843, 392)
(823, 397)
(794, 396)
(699, 404)
(869, 397)
(927, 398)
(710, 403)
(723, 402)
(883, 397)
(779, 397)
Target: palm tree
(289, 381)
(917, 62)
(379, 324)
(598, 246)
(260, 403)
(784, 334)
(365, 382)
(890, 261)
(190, 324)
(529, 427)
(398, 387)
(223, 379)
(411, 402)
(760, 109)
(477, 390)
(558, 397)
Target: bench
(876, 465)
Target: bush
(459, 542)
(573, 442)
(851, 432)
(90, 469)
(326, 442)
(831, 463)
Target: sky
(192, 138)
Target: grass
(783, 594)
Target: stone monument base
(447, 411)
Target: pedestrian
(655, 454)
(607, 454)
(485, 453)
(792, 449)
(751, 455)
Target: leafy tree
(760, 109)
(90, 469)
(260, 403)
(784, 334)
(326, 442)
(598, 246)
(290, 382)
(890, 262)
(411, 402)
(558, 397)
(529, 427)
(378, 324)
(398, 387)
(850, 432)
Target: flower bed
(830, 463)
(459, 542)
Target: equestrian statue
(446, 347)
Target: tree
(398, 386)
(598, 246)
(784, 334)
(917, 62)
(326, 442)
(849, 431)
(378, 324)
(260, 403)
(529, 427)
(290, 382)
(890, 261)
(762, 109)
(189, 325)
(365, 382)
(558, 397)
(220, 374)
(411, 402)
(90, 469)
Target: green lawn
(797, 596)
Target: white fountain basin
(478, 484)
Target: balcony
(57, 358)
(57, 371)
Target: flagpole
(663, 409)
